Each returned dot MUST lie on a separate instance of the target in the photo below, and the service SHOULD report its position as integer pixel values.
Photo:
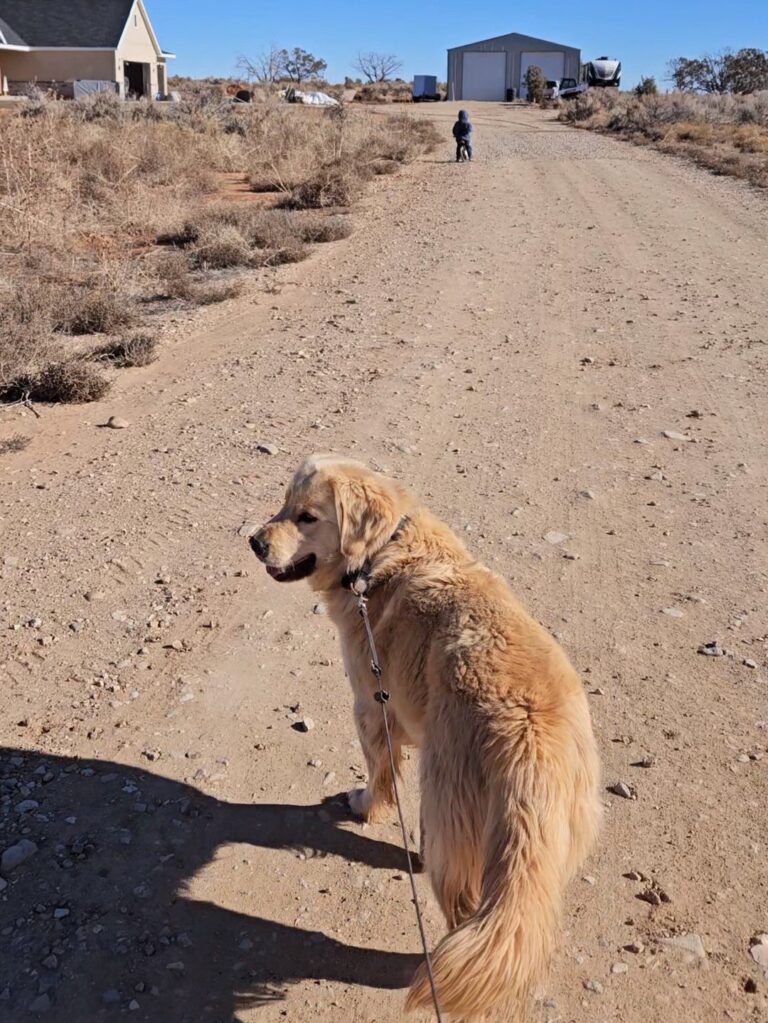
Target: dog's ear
(367, 512)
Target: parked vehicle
(425, 89)
(605, 72)
(570, 88)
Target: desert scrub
(726, 134)
(106, 205)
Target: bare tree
(267, 66)
(377, 67)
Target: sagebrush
(107, 205)
(726, 134)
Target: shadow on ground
(97, 919)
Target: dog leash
(359, 586)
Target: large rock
(17, 854)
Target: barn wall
(513, 45)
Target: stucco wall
(58, 65)
(137, 45)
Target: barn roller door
(551, 62)
(484, 76)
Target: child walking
(462, 132)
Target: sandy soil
(512, 337)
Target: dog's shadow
(99, 918)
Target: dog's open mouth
(298, 570)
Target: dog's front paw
(360, 802)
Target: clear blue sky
(208, 36)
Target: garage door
(551, 62)
(484, 76)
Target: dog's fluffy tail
(495, 958)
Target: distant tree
(748, 70)
(266, 66)
(300, 66)
(535, 83)
(742, 72)
(377, 67)
(646, 86)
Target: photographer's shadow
(102, 913)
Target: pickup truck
(564, 88)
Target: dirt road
(562, 347)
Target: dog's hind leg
(451, 835)
(378, 795)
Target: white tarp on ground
(312, 99)
(87, 87)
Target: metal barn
(492, 68)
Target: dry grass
(88, 190)
(726, 134)
(14, 444)
(71, 381)
(135, 350)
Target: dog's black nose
(259, 547)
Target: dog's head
(336, 515)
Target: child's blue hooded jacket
(462, 129)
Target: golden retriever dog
(508, 764)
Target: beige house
(81, 46)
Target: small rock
(635, 947)
(40, 1004)
(61, 913)
(27, 805)
(620, 788)
(318, 609)
(588, 494)
(177, 967)
(619, 968)
(133, 1005)
(329, 778)
(116, 423)
(672, 612)
(759, 950)
(587, 360)
(749, 663)
(673, 435)
(51, 962)
(711, 649)
(593, 985)
(691, 943)
(304, 725)
(17, 854)
(646, 762)
(554, 537)
(267, 449)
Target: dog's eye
(306, 517)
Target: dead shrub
(335, 184)
(211, 294)
(11, 445)
(173, 275)
(221, 246)
(136, 350)
(92, 309)
(318, 229)
(384, 167)
(70, 382)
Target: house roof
(64, 23)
